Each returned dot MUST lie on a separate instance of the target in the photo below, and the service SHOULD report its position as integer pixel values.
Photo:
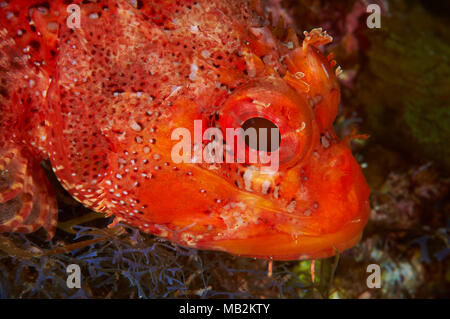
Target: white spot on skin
(276, 191)
(265, 105)
(135, 126)
(193, 74)
(174, 91)
(134, 3)
(265, 187)
(317, 99)
(325, 142)
(194, 28)
(325, 70)
(205, 54)
(248, 179)
(291, 206)
(301, 128)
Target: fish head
(303, 196)
(137, 106)
(314, 202)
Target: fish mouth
(268, 229)
(308, 244)
(256, 225)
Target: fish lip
(281, 246)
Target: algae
(404, 86)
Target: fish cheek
(148, 189)
(185, 201)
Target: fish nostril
(263, 138)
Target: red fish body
(101, 103)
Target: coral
(124, 263)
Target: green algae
(404, 87)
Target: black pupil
(261, 123)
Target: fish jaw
(331, 212)
(282, 246)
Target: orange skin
(103, 105)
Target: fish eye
(265, 129)
(273, 106)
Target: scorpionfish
(97, 88)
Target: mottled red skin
(105, 98)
